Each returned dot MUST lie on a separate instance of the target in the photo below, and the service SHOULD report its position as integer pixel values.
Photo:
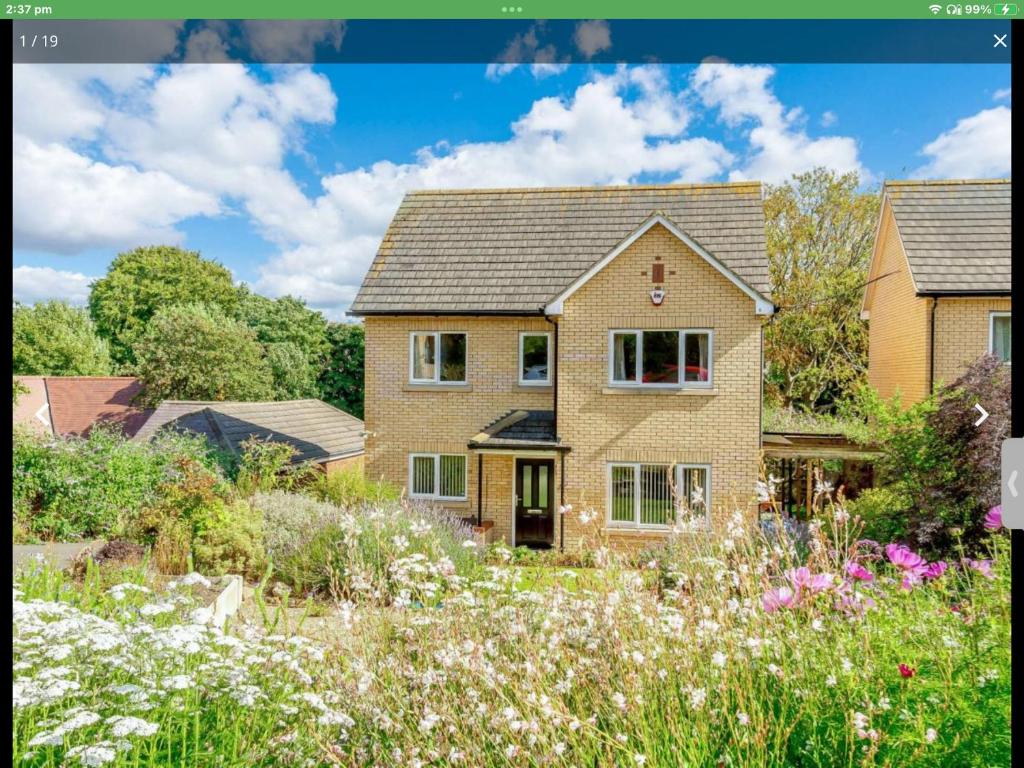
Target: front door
(535, 502)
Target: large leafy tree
(341, 382)
(197, 352)
(295, 340)
(142, 281)
(53, 338)
(820, 229)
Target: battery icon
(1005, 9)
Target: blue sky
(288, 175)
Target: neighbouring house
(319, 433)
(528, 349)
(66, 406)
(938, 293)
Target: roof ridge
(585, 188)
(942, 182)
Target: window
(655, 358)
(999, 335)
(437, 358)
(535, 359)
(656, 495)
(437, 476)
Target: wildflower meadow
(735, 648)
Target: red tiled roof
(79, 402)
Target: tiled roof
(79, 402)
(519, 429)
(956, 234)
(514, 250)
(316, 430)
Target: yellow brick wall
(404, 418)
(898, 326)
(340, 465)
(720, 428)
(961, 333)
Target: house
(938, 292)
(319, 433)
(528, 349)
(65, 406)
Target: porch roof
(789, 445)
(520, 430)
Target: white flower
(718, 659)
(194, 578)
(94, 754)
(931, 735)
(830, 681)
(697, 697)
(131, 726)
(178, 682)
(743, 718)
(201, 616)
(469, 544)
(619, 700)
(639, 759)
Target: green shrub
(266, 465)
(95, 486)
(349, 487)
(884, 512)
(230, 540)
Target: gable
(762, 306)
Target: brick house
(528, 349)
(938, 293)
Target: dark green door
(535, 502)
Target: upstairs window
(534, 359)
(437, 358)
(437, 476)
(660, 358)
(999, 335)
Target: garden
(758, 645)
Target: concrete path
(61, 555)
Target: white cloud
(592, 37)
(1003, 94)
(33, 284)
(976, 147)
(780, 146)
(526, 48)
(828, 119)
(65, 202)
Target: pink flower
(906, 671)
(994, 518)
(903, 558)
(936, 569)
(773, 599)
(984, 567)
(802, 578)
(858, 571)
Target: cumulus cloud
(780, 145)
(33, 284)
(1003, 94)
(526, 48)
(976, 147)
(592, 37)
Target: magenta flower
(906, 671)
(802, 578)
(904, 558)
(858, 571)
(984, 567)
(936, 569)
(773, 599)
(994, 518)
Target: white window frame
(680, 362)
(677, 478)
(436, 495)
(992, 331)
(534, 382)
(436, 379)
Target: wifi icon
(935, 9)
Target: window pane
(535, 358)
(527, 484)
(1001, 337)
(423, 356)
(542, 486)
(693, 493)
(453, 476)
(696, 357)
(423, 475)
(624, 357)
(661, 357)
(623, 494)
(655, 495)
(453, 357)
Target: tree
(53, 338)
(820, 233)
(142, 281)
(197, 352)
(292, 375)
(341, 383)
